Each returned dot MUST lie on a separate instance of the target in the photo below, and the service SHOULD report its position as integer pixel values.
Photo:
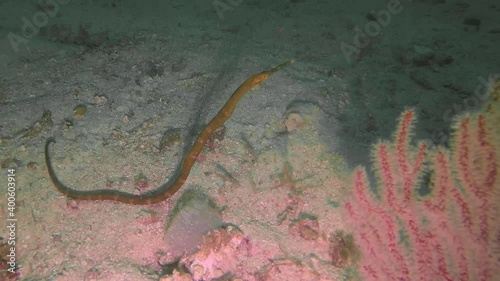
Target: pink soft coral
(451, 233)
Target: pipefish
(166, 190)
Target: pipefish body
(165, 191)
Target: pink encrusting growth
(451, 233)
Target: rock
(194, 216)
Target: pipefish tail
(166, 190)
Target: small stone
(99, 100)
(423, 55)
(153, 70)
(194, 215)
(343, 251)
(293, 122)
(125, 119)
(141, 182)
(198, 272)
(68, 124)
(10, 163)
(72, 205)
(80, 110)
(33, 166)
(170, 139)
(306, 226)
(56, 238)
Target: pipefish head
(261, 77)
